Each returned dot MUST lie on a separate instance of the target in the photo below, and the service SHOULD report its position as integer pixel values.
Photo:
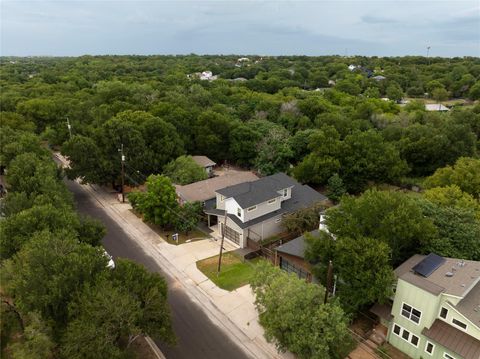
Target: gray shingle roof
(295, 247)
(302, 197)
(252, 193)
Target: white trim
(271, 201)
(458, 326)
(447, 356)
(433, 347)
(411, 313)
(285, 192)
(250, 209)
(239, 212)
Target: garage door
(231, 234)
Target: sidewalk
(234, 311)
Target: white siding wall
(232, 208)
(220, 203)
(262, 209)
(289, 194)
(267, 228)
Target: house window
(239, 212)
(447, 356)
(222, 198)
(459, 324)
(429, 348)
(285, 192)
(253, 208)
(272, 201)
(411, 313)
(278, 220)
(396, 329)
(405, 334)
(443, 313)
(414, 340)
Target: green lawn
(234, 273)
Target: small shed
(205, 162)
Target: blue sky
(382, 27)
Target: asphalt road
(197, 336)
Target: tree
(452, 196)
(188, 216)
(390, 217)
(159, 203)
(336, 188)
(366, 156)
(243, 145)
(394, 92)
(273, 152)
(48, 271)
(465, 173)
(150, 290)
(303, 220)
(474, 93)
(362, 265)
(36, 340)
(18, 229)
(102, 319)
(322, 163)
(458, 231)
(294, 317)
(184, 170)
(439, 94)
(94, 168)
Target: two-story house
(255, 209)
(436, 308)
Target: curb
(158, 353)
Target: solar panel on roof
(428, 265)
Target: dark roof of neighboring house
(205, 190)
(252, 193)
(465, 275)
(453, 339)
(295, 247)
(383, 311)
(302, 197)
(469, 306)
(203, 161)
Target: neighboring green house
(436, 308)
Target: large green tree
(158, 203)
(390, 217)
(295, 318)
(45, 275)
(362, 266)
(184, 170)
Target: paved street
(198, 336)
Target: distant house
(435, 312)
(205, 162)
(331, 82)
(255, 209)
(436, 107)
(205, 191)
(291, 257)
(352, 67)
(205, 75)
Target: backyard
(235, 272)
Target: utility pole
(69, 128)
(329, 285)
(123, 171)
(221, 243)
(428, 52)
